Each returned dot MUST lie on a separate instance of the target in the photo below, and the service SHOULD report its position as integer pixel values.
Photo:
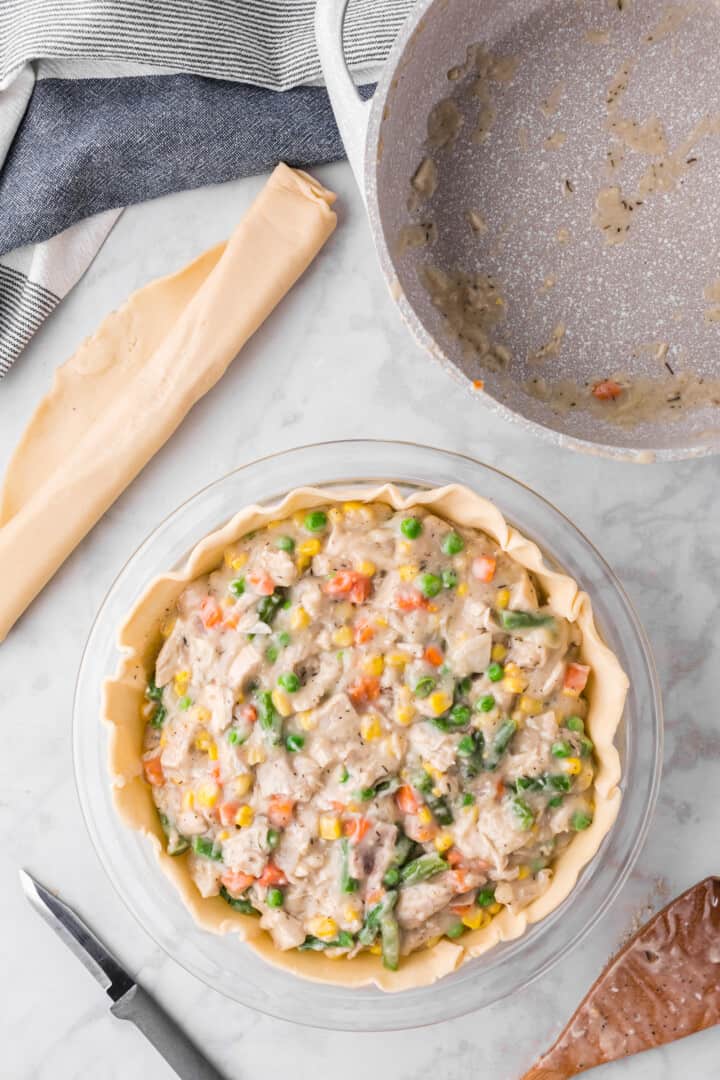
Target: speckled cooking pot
(642, 308)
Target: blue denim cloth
(87, 145)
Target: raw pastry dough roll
(129, 386)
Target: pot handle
(351, 112)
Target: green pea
(289, 682)
(559, 782)
(466, 746)
(283, 639)
(344, 775)
(234, 737)
(459, 716)
(456, 930)
(495, 672)
(581, 820)
(424, 687)
(184, 703)
(468, 799)
(391, 877)
(449, 579)
(586, 746)
(286, 604)
(274, 897)
(485, 896)
(411, 527)
(271, 653)
(294, 742)
(561, 749)
(273, 838)
(429, 585)
(575, 723)
(203, 845)
(557, 800)
(316, 521)
(285, 543)
(237, 587)
(486, 703)
(453, 543)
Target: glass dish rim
(512, 948)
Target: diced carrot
(154, 770)
(364, 688)
(356, 828)
(406, 799)
(483, 568)
(424, 833)
(280, 811)
(374, 897)
(607, 390)
(211, 613)
(215, 773)
(227, 811)
(248, 713)
(454, 857)
(459, 879)
(261, 582)
(462, 909)
(576, 677)
(272, 875)
(434, 656)
(236, 882)
(361, 589)
(350, 583)
(410, 600)
(499, 788)
(364, 632)
(231, 623)
(339, 807)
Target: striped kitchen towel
(104, 103)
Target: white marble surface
(333, 361)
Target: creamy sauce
(597, 37)
(551, 104)
(472, 307)
(551, 347)
(563, 236)
(416, 236)
(675, 15)
(712, 295)
(444, 123)
(555, 141)
(477, 221)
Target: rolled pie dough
(140, 640)
(130, 385)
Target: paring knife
(130, 1001)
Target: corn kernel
(397, 659)
(245, 816)
(242, 784)
(299, 518)
(408, 572)
(444, 841)
(512, 669)
(335, 515)
(404, 547)
(476, 919)
(499, 652)
(373, 665)
(462, 589)
(437, 791)
(207, 794)
(307, 720)
(366, 568)
(302, 562)
(439, 702)
(309, 547)
(370, 727)
(494, 909)
(281, 701)
(518, 717)
(351, 507)
(405, 715)
(202, 740)
(432, 942)
(424, 816)
(571, 766)
(228, 601)
(514, 684)
(329, 827)
(255, 755)
(530, 705)
(239, 561)
(323, 927)
(180, 682)
(432, 769)
(274, 524)
(375, 950)
(342, 637)
(523, 872)
(188, 800)
(224, 835)
(239, 697)
(167, 627)
(299, 618)
(201, 714)
(380, 621)
(503, 598)
(352, 913)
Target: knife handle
(161, 1030)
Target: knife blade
(129, 1000)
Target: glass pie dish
(231, 967)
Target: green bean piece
(274, 897)
(283, 638)
(429, 585)
(403, 847)
(458, 717)
(523, 813)
(581, 820)
(177, 844)
(425, 686)
(203, 845)
(529, 783)
(495, 672)
(452, 543)
(463, 687)
(456, 930)
(439, 806)
(426, 866)
(519, 620)
(239, 903)
(558, 782)
(501, 742)
(270, 719)
(294, 742)
(471, 751)
(586, 746)
(468, 799)
(237, 587)
(485, 896)
(411, 527)
(158, 717)
(269, 606)
(371, 926)
(561, 749)
(348, 884)
(344, 940)
(449, 579)
(316, 521)
(153, 691)
(285, 543)
(390, 940)
(557, 800)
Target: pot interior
(574, 211)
